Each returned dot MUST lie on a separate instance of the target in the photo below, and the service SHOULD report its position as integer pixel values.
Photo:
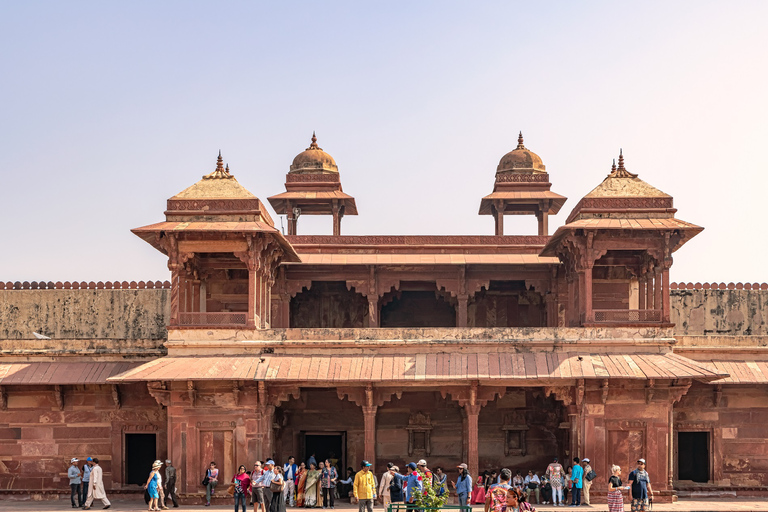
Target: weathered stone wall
(77, 314)
(736, 421)
(38, 437)
(735, 312)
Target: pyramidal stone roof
(219, 184)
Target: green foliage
(428, 499)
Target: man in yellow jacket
(364, 487)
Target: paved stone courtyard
(684, 505)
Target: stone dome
(521, 159)
(313, 160)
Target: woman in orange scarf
(301, 482)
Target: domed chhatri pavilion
(498, 351)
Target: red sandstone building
(498, 351)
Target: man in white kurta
(96, 489)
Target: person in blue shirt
(413, 484)
(641, 487)
(86, 479)
(577, 477)
(463, 485)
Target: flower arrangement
(429, 499)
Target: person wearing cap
(555, 476)
(264, 493)
(364, 488)
(463, 485)
(170, 485)
(86, 480)
(587, 482)
(641, 487)
(96, 489)
(73, 473)
(422, 467)
(577, 478)
(412, 482)
(153, 484)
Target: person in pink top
(242, 483)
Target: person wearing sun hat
(463, 485)
(73, 473)
(153, 485)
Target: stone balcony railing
(212, 319)
(631, 316)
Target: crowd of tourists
(270, 487)
(556, 484)
(86, 483)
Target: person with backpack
(589, 475)
(496, 497)
(395, 489)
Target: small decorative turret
(313, 187)
(521, 187)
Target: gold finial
(220, 173)
(314, 143)
(520, 141)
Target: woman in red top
(242, 483)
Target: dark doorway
(693, 456)
(326, 445)
(140, 453)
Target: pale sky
(110, 108)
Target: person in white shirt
(532, 486)
(289, 474)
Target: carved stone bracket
(419, 434)
(580, 389)
(650, 390)
(717, 395)
(116, 396)
(58, 395)
(3, 398)
(561, 393)
(236, 392)
(604, 389)
(160, 393)
(293, 288)
(679, 388)
(192, 392)
(279, 394)
(474, 395)
(367, 396)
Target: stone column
(369, 420)
(543, 219)
(461, 311)
(649, 290)
(665, 308)
(498, 208)
(250, 320)
(589, 313)
(337, 215)
(473, 456)
(641, 283)
(373, 311)
(174, 297)
(657, 300)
